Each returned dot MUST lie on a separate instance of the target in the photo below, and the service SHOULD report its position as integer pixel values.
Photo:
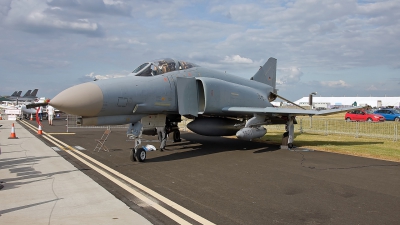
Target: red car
(363, 115)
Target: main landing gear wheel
(177, 136)
(140, 154)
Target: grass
(349, 145)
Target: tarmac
(223, 180)
(38, 186)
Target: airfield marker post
(39, 130)
(13, 135)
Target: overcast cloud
(333, 47)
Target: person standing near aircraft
(40, 113)
(162, 137)
(50, 114)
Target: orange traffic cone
(12, 135)
(31, 117)
(39, 131)
(1, 118)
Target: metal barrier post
(301, 125)
(326, 127)
(357, 128)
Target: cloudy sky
(333, 47)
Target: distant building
(331, 102)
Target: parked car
(389, 114)
(363, 115)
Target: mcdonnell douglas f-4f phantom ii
(161, 91)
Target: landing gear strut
(287, 139)
(290, 128)
(177, 136)
(135, 132)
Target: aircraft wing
(284, 111)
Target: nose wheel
(138, 154)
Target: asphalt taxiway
(228, 181)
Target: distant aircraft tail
(19, 94)
(267, 73)
(27, 93)
(34, 92)
(14, 94)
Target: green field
(365, 147)
(385, 149)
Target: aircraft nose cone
(83, 100)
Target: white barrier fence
(384, 130)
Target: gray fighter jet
(159, 92)
(28, 96)
(28, 93)
(14, 95)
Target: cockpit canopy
(161, 66)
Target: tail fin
(14, 94)
(27, 93)
(19, 94)
(267, 73)
(34, 92)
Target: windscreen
(161, 66)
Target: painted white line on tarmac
(151, 203)
(135, 183)
(152, 193)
